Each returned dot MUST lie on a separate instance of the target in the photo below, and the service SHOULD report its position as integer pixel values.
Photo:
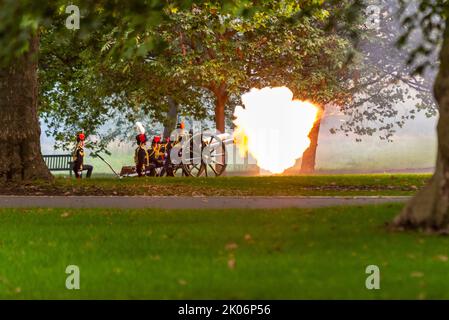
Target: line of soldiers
(156, 156)
(147, 160)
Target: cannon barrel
(224, 138)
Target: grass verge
(314, 185)
(217, 254)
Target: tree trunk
(172, 118)
(20, 157)
(309, 156)
(221, 98)
(429, 209)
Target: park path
(188, 202)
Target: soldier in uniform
(141, 157)
(156, 155)
(179, 133)
(175, 141)
(78, 158)
(156, 150)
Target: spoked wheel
(178, 168)
(206, 155)
(191, 156)
(194, 170)
(214, 157)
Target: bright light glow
(273, 128)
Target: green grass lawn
(312, 185)
(231, 254)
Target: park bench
(59, 162)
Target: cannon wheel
(213, 159)
(178, 169)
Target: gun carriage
(194, 155)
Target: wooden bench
(59, 162)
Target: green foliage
(265, 49)
(428, 18)
(122, 64)
(105, 75)
(19, 19)
(189, 56)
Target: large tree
(226, 56)
(429, 209)
(20, 158)
(19, 46)
(21, 22)
(367, 93)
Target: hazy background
(413, 148)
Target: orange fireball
(273, 127)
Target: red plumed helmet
(157, 139)
(142, 138)
(80, 137)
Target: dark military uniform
(78, 163)
(157, 155)
(141, 159)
